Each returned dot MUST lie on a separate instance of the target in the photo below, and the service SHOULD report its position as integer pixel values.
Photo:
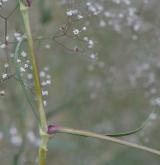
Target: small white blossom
(93, 56)
(76, 31)
(71, 12)
(2, 93)
(16, 140)
(23, 54)
(26, 65)
(22, 69)
(45, 103)
(3, 46)
(90, 44)
(4, 76)
(153, 116)
(18, 36)
(30, 76)
(18, 60)
(45, 93)
(47, 46)
(84, 28)
(80, 16)
(48, 82)
(43, 83)
(42, 74)
(6, 65)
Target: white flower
(6, 65)
(76, 31)
(93, 56)
(3, 46)
(29, 76)
(71, 12)
(16, 140)
(23, 54)
(45, 93)
(4, 76)
(2, 93)
(45, 103)
(22, 69)
(42, 74)
(47, 46)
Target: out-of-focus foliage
(101, 61)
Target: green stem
(108, 138)
(37, 85)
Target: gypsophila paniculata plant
(75, 33)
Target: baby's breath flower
(45, 103)
(4, 76)
(6, 65)
(23, 54)
(3, 46)
(2, 93)
(22, 69)
(45, 93)
(76, 31)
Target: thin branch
(58, 129)
(1, 16)
(11, 13)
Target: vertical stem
(42, 156)
(38, 91)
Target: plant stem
(37, 85)
(112, 139)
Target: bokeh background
(102, 59)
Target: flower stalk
(52, 129)
(42, 116)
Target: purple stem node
(52, 129)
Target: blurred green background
(109, 88)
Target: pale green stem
(38, 91)
(108, 138)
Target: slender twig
(11, 13)
(1, 16)
(108, 138)
(6, 27)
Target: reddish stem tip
(52, 129)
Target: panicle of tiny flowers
(15, 137)
(45, 78)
